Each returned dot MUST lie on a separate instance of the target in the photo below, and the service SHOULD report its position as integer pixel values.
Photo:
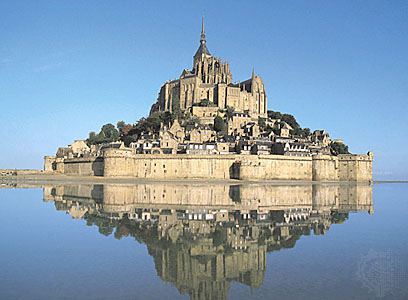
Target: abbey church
(210, 80)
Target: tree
(229, 112)
(125, 129)
(129, 139)
(290, 120)
(261, 123)
(274, 114)
(219, 124)
(176, 112)
(91, 140)
(338, 148)
(120, 125)
(110, 133)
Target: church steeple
(202, 40)
(203, 48)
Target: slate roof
(202, 50)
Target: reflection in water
(203, 236)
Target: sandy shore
(38, 177)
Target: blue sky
(68, 67)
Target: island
(205, 126)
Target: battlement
(125, 162)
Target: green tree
(176, 112)
(338, 148)
(274, 114)
(229, 112)
(219, 124)
(91, 140)
(261, 123)
(110, 133)
(120, 125)
(129, 139)
(290, 120)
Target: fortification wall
(168, 166)
(119, 198)
(83, 166)
(126, 163)
(325, 168)
(50, 164)
(354, 167)
(275, 167)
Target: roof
(202, 50)
(229, 138)
(285, 126)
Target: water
(203, 241)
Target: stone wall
(122, 198)
(126, 163)
(344, 167)
(325, 168)
(275, 167)
(84, 166)
(50, 164)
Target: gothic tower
(208, 68)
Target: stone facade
(211, 80)
(126, 163)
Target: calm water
(204, 241)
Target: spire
(203, 48)
(202, 40)
(253, 73)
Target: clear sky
(68, 67)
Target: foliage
(105, 225)
(176, 112)
(274, 114)
(120, 125)
(219, 236)
(129, 139)
(205, 103)
(338, 148)
(229, 112)
(192, 121)
(219, 124)
(107, 134)
(305, 132)
(261, 123)
(290, 120)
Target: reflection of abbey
(215, 129)
(211, 79)
(202, 237)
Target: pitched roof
(202, 50)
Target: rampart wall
(126, 163)
(83, 166)
(119, 198)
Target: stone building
(211, 80)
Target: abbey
(205, 126)
(210, 81)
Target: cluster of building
(205, 92)
(215, 118)
(200, 139)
